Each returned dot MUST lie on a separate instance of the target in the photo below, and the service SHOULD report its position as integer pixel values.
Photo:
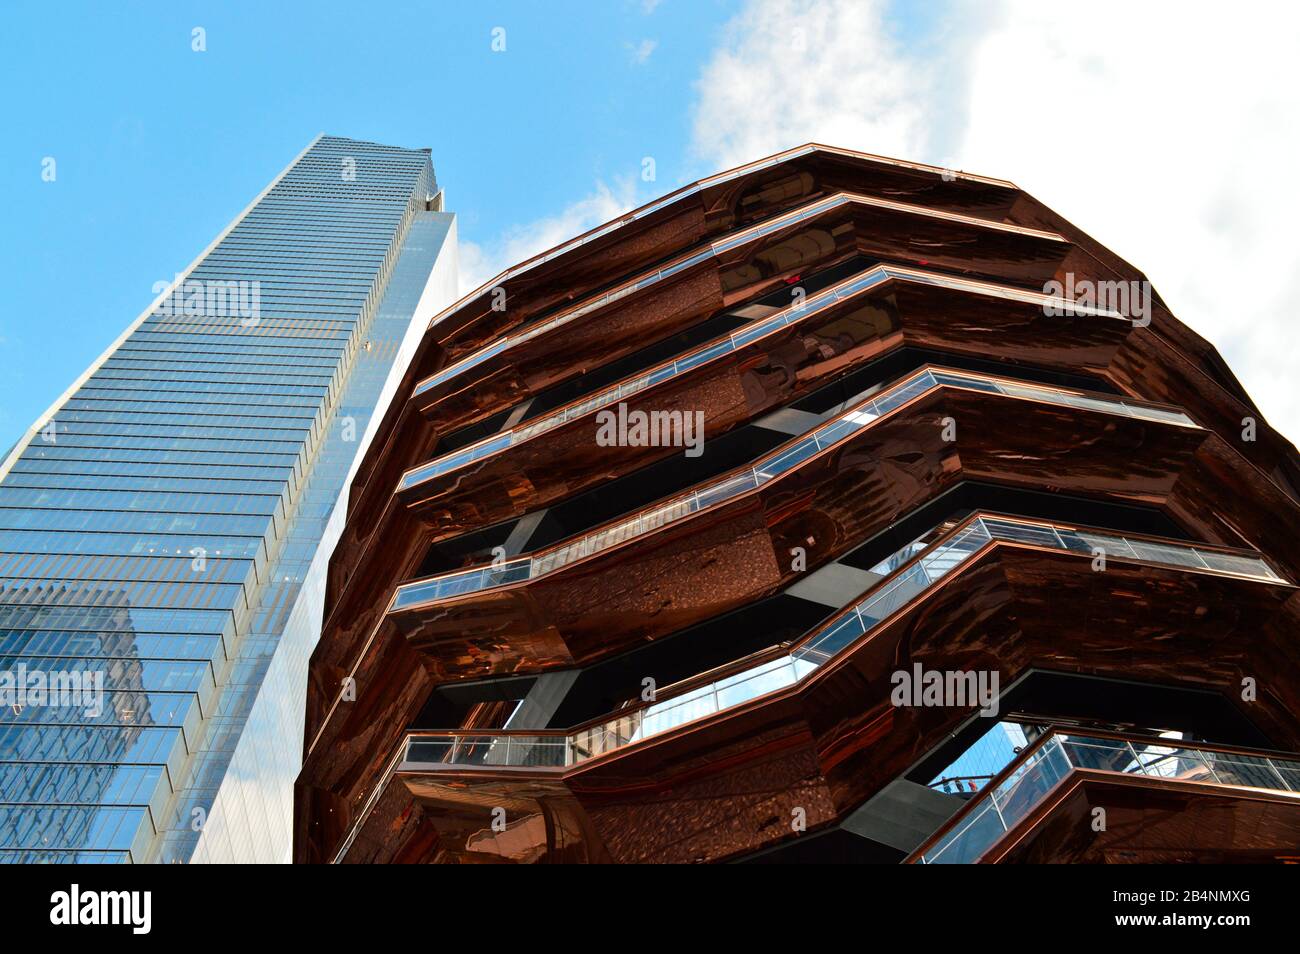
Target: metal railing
(675, 267)
(1026, 782)
(706, 353)
(780, 461)
(960, 785)
(683, 262)
(694, 189)
(691, 702)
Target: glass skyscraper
(166, 526)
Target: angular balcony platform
(1164, 800)
(817, 729)
(734, 379)
(719, 205)
(925, 377)
(727, 273)
(723, 544)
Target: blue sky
(158, 147)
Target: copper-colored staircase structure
(541, 645)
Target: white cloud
(479, 263)
(1169, 137)
(640, 52)
(793, 71)
(1166, 131)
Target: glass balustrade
(983, 822)
(695, 189)
(780, 461)
(694, 359)
(881, 602)
(674, 267)
(525, 751)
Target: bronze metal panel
(717, 560)
(730, 782)
(714, 211)
(734, 389)
(895, 234)
(902, 313)
(1152, 821)
(1221, 489)
(834, 501)
(761, 191)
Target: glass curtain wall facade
(158, 526)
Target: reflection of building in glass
(161, 521)
(88, 772)
(917, 459)
(985, 758)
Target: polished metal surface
(1058, 760)
(834, 739)
(686, 305)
